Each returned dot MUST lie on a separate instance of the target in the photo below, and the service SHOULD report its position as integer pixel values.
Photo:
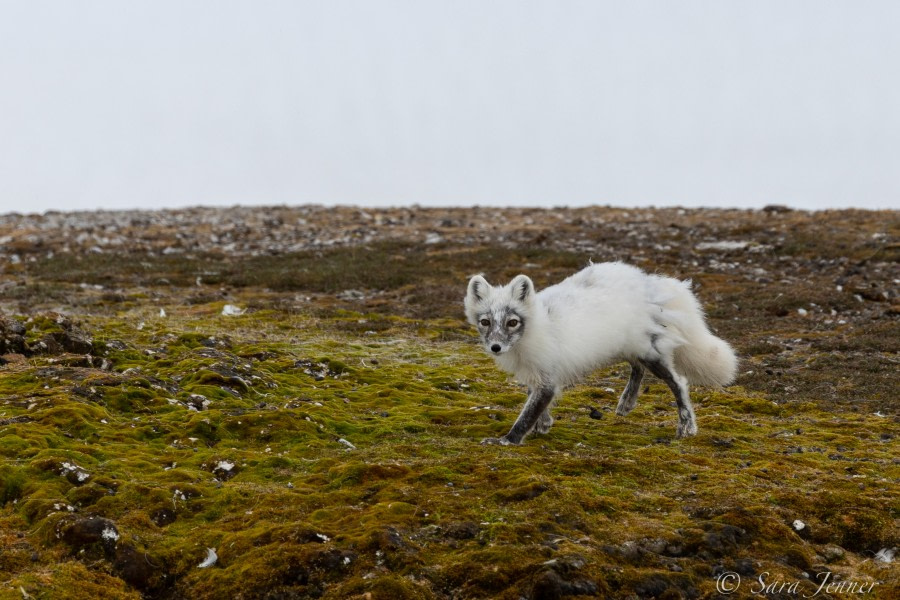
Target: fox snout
(496, 347)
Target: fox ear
(522, 288)
(478, 289)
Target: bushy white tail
(700, 356)
(706, 360)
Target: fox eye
(512, 323)
(485, 323)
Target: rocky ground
(286, 403)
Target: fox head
(500, 313)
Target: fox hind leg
(628, 399)
(687, 421)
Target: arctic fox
(603, 314)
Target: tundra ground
(321, 434)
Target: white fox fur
(603, 314)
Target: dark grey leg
(628, 399)
(536, 406)
(687, 422)
(544, 422)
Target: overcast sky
(127, 104)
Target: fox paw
(625, 405)
(500, 441)
(543, 425)
(686, 430)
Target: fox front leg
(544, 423)
(538, 403)
(545, 420)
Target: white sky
(131, 104)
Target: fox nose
(496, 348)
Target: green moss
(71, 579)
(353, 436)
(388, 587)
(12, 483)
(13, 446)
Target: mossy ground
(328, 446)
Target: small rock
(230, 310)
(197, 402)
(225, 470)
(352, 295)
(654, 545)
(86, 531)
(75, 474)
(110, 535)
(630, 551)
(832, 553)
(724, 245)
(333, 560)
(464, 530)
(163, 517)
(801, 528)
(12, 336)
(549, 585)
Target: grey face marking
(500, 329)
